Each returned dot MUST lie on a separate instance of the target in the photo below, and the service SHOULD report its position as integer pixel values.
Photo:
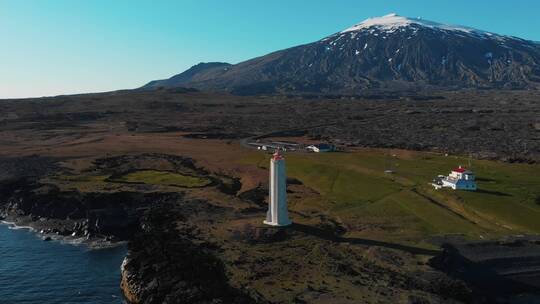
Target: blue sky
(52, 47)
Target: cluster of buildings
(288, 146)
(322, 147)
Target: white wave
(14, 226)
(92, 244)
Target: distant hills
(382, 53)
(200, 70)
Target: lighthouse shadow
(322, 234)
(497, 193)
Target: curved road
(244, 142)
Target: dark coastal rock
(165, 265)
(495, 271)
(113, 216)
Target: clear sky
(52, 47)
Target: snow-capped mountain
(391, 22)
(390, 52)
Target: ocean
(49, 272)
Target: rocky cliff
(91, 217)
(209, 246)
(169, 263)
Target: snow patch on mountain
(392, 22)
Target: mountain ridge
(187, 75)
(382, 53)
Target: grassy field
(83, 183)
(355, 189)
(154, 177)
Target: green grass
(339, 183)
(83, 183)
(433, 218)
(354, 188)
(164, 178)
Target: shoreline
(91, 244)
(61, 270)
(206, 245)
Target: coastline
(34, 271)
(213, 247)
(92, 243)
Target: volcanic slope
(383, 53)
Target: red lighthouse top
(277, 155)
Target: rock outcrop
(496, 271)
(93, 216)
(168, 263)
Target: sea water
(37, 271)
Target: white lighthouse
(277, 214)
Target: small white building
(459, 179)
(321, 148)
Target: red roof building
(459, 169)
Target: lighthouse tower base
(283, 223)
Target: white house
(321, 148)
(459, 179)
